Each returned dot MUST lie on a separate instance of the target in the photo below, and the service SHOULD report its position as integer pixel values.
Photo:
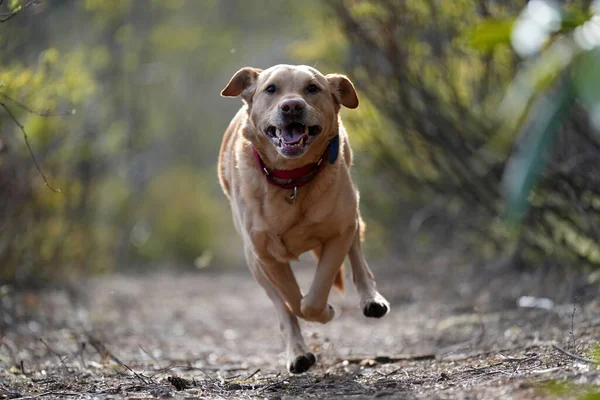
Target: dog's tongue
(293, 133)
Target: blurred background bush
(447, 89)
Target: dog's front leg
(373, 304)
(298, 358)
(314, 305)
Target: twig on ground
(9, 394)
(392, 373)
(251, 375)
(44, 381)
(484, 371)
(188, 367)
(390, 359)
(494, 372)
(103, 351)
(230, 378)
(572, 332)
(60, 358)
(274, 384)
(481, 326)
(37, 165)
(575, 356)
(146, 352)
(226, 369)
(80, 354)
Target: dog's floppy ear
(343, 90)
(243, 83)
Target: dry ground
(452, 333)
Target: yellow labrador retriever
(284, 164)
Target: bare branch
(45, 113)
(575, 356)
(6, 16)
(37, 165)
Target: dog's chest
(294, 228)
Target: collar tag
(294, 196)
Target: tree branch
(45, 113)
(37, 166)
(6, 16)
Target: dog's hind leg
(298, 358)
(372, 302)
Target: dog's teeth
(278, 131)
(305, 128)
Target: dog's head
(292, 106)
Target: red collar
(294, 178)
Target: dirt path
(216, 335)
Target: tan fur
(324, 218)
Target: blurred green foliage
(136, 163)
(561, 71)
(464, 123)
(427, 97)
(444, 97)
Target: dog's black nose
(292, 107)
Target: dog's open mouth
(293, 139)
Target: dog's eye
(313, 89)
(271, 89)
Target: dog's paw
(302, 363)
(316, 315)
(376, 308)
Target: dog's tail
(340, 282)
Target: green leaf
(586, 81)
(534, 77)
(573, 17)
(490, 33)
(538, 132)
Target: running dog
(285, 164)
